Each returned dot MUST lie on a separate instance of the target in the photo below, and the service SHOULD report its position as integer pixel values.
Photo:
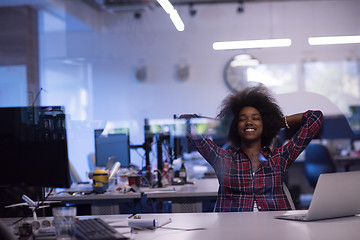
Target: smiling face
(250, 125)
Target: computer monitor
(112, 145)
(33, 147)
(216, 130)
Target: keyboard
(96, 229)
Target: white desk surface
(235, 226)
(244, 226)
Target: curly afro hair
(260, 98)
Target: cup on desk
(134, 180)
(64, 220)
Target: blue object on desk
(317, 161)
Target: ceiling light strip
(178, 23)
(334, 40)
(174, 16)
(264, 43)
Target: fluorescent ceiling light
(265, 43)
(166, 5)
(174, 16)
(334, 40)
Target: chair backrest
(75, 178)
(318, 160)
(288, 195)
(92, 162)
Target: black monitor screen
(33, 147)
(112, 145)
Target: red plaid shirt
(239, 187)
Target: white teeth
(249, 130)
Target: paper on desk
(159, 191)
(119, 224)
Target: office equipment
(114, 145)
(33, 147)
(336, 195)
(32, 205)
(97, 229)
(215, 129)
(318, 160)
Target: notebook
(336, 195)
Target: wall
(125, 43)
(105, 60)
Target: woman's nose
(248, 122)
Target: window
(13, 86)
(338, 81)
(280, 78)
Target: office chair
(317, 161)
(75, 178)
(92, 162)
(289, 197)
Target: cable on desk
(183, 229)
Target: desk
(189, 197)
(185, 198)
(107, 203)
(249, 226)
(244, 226)
(347, 161)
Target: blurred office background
(114, 66)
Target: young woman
(250, 174)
